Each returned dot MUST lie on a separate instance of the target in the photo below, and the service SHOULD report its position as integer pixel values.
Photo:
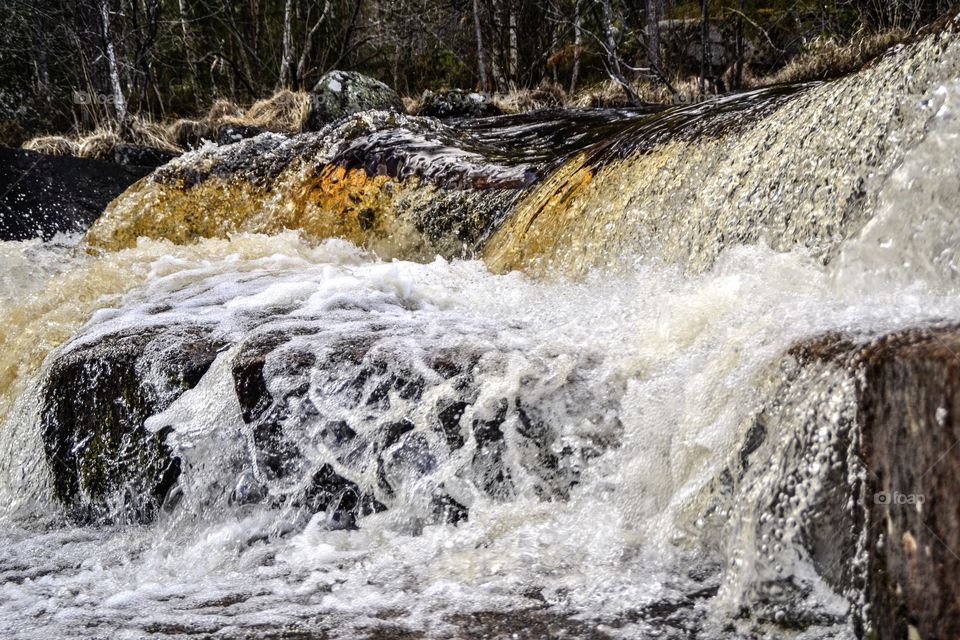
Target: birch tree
(286, 57)
(119, 101)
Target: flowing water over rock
(616, 374)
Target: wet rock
(230, 133)
(96, 397)
(403, 186)
(140, 156)
(392, 426)
(42, 195)
(873, 461)
(909, 405)
(343, 93)
(456, 103)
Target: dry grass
(826, 59)
(53, 145)
(222, 109)
(546, 96)
(410, 105)
(98, 145)
(611, 94)
(283, 111)
(148, 133)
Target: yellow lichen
(333, 202)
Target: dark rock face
(910, 412)
(134, 155)
(96, 398)
(456, 103)
(876, 421)
(42, 195)
(343, 93)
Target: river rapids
(582, 409)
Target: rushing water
(523, 456)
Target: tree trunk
(496, 56)
(704, 45)
(512, 48)
(481, 54)
(308, 45)
(286, 61)
(738, 66)
(613, 57)
(119, 101)
(188, 50)
(654, 10)
(577, 44)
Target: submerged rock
(342, 93)
(96, 398)
(393, 424)
(377, 402)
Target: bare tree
(513, 65)
(286, 58)
(119, 101)
(739, 47)
(654, 11)
(613, 56)
(481, 53)
(704, 45)
(188, 46)
(308, 41)
(577, 45)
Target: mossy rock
(96, 398)
(343, 93)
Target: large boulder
(348, 414)
(343, 93)
(851, 469)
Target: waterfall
(605, 374)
